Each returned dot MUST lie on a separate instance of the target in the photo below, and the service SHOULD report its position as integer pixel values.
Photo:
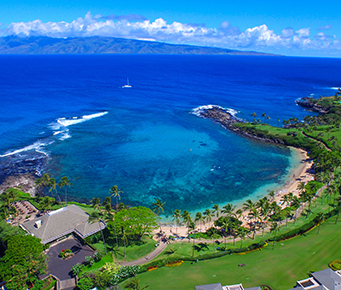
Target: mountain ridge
(106, 45)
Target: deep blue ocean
(71, 113)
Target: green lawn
(280, 268)
(132, 252)
(106, 259)
(185, 249)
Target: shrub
(335, 265)
(257, 245)
(65, 253)
(89, 260)
(76, 269)
(98, 256)
(125, 272)
(85, 284)
(151, 268)
(174, 264)
(111, 268)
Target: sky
(295, 28)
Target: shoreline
(300, 173)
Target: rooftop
(61, 222)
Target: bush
(111, 268)
(89, 260)
(174, 264)
(335, 265)
(98, 256)
(85, 284)
(65, 253)
(256, 245)
(124, 273)
(76, 269)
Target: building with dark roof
(61, 222)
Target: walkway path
(151, 256)
(325, 146)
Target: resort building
(322, 280)
(218, 286)
(61, 222)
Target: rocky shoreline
(24, 182)
(308, 103)
(21, 170)
(227, 120)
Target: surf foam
(197, 111)
(76, 120)
(37, 146)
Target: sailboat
(127, 86)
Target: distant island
(106, 45)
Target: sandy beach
(301, 173)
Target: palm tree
(234, 231)
(64, 182)
(320, 217)
(239, 215)
(186, 217)
(228, 209)
(95, 203)
(114, 191)
(125, 240)
(198, 218)
(40, 183)
(134, 284)
(157, 207)
(274, 228)
(208, 215)
(216, 210)
(338, 206)
(300, 187)
(254, 215)
(250, 206)
(241, 233)
(307, 197)
(285, 199)
(7, 196)
(226, 223)
(271, 195)
(46, 203)
(295, 203)
(176, 216)
(111, 217)
(95, 217)
(264, 213)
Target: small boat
(127, 86)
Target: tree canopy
(22, 261)
(136, 220)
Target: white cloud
(303, 32)
(137, 27)
(326, 27)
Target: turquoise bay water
(145, 139)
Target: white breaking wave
(197, 111)
(335, 88)
(37, 146)
(65, 135)
(75, 120)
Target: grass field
(291, 260)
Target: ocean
(69, 115)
